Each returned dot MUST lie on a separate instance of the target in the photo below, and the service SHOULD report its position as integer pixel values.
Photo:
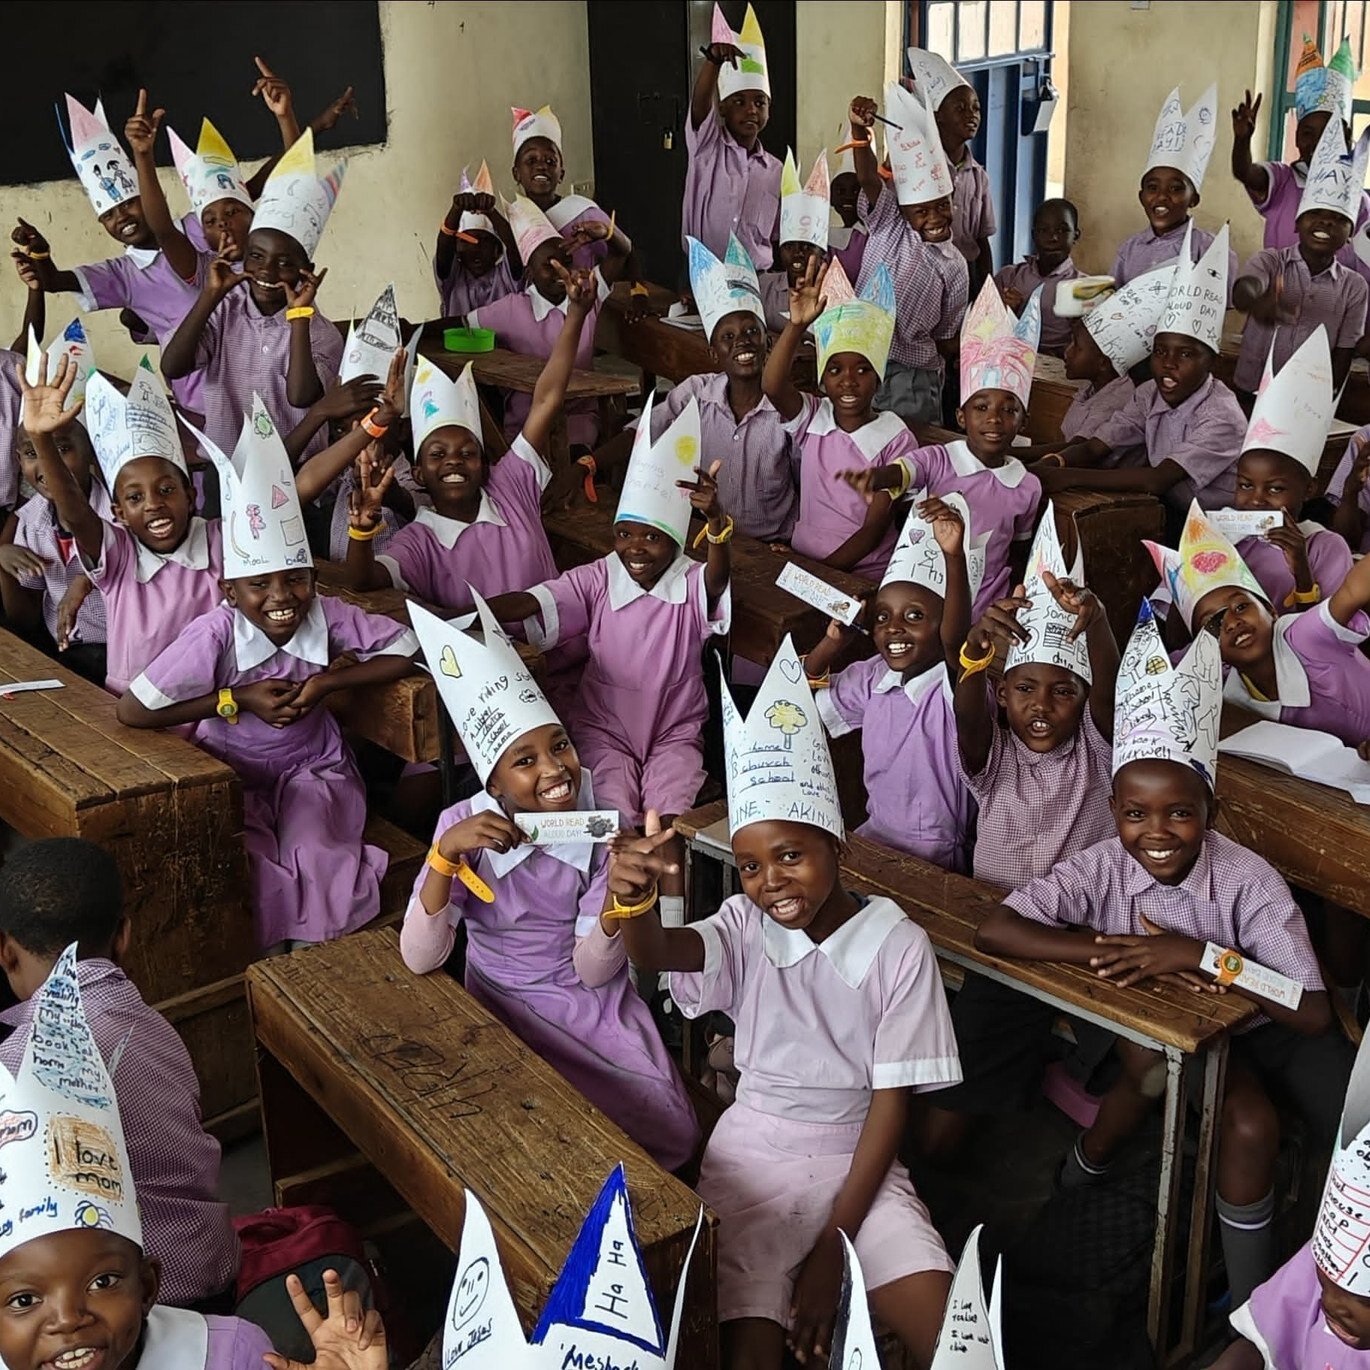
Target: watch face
(1230, 963)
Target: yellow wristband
(905, 477)
(451, 869)
(459, 870)
(972, 665)
(632, 910)
(299, 311)
(1297, 596)
(724, 535)
(34, 256)
(366, 534)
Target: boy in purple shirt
(1055, 231)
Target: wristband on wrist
(632, 910)
(722, 537)
(365, 534)
(299, 311)
(227, 707)
(897, 492)
(459, 870)
(973, 665)
(376, 430)
(1297, 596)
(36, 256)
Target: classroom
(453, 911)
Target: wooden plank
(519, 371)
(406, 855)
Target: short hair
(1059, 201)
(58, 891)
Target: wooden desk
(1354, 408)
(357, 1054)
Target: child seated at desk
(1055, 231)
(474, 251)
(1165, 901)
(804, 215)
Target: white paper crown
(1295, 405)
(723, 288)
(371, 345)
(488, 692)
(1046, 623)
(470, 221)
(438, 401)
(805, 210)
(1341, 1237)
(1124, 324)
(751, 72)
(1204, 561)
(935, 75)
(103, 167)
(41, 367)
(210, 172)
(64, 1165)
(999, 351)
(1164, 712)
(776, 761)
(1318, 87)
(600, 1313)
(917, 158)
(1336, 175)
(531, 227)
(853, 1337)
(1197, 301)
(970, 1338)
(864, 324)
(650, 494)
(1184, 139)
(918, 559)
(296, 200)
(539, 123)
(123, 428)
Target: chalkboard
(195, 59)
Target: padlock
(668, 139)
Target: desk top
(519, 371)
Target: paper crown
(1184, 139)
(531, 227)
(846, 161)
(723, 288)
(1336, 175)
(853, 1337)
(917, 158)
(101, 164)
(470, 221)
(999, 351)
(864, 324)
(66, 1165)
(488, 692)
(1341, 1236)
(1123, 324)
(970, 1338)
(296, 200)
(805, 210)
(1205, 561)
(776, 761)
(837, 286)
(1318, 87)
(1197, 301)
(1045, 622)
(123, 428)
(541, 123)
(210, 172)
(751, 72)
(934, 75)
(438, 401)
(371, 346)
(650, 494)
(918, 560)
(1295, 405)
(1163, 712)
(601, 1311)
(41, 367)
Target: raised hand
(274, 90)
(635, 867)
(718, 53)
(807, 301)
(328, 117)
(704, 494)
(27, 271)
(345, 398)
(1074, 599)
(948, 527)
(1244, 116)
(140, 130)
(367, 497)
(28, 239)
(350, 1338)
(43, 404)
(301, 294)
(998, 625)
(861, 112)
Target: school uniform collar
(447, 530)
(1151, 236)
(193, 553)
(966, 463)
(174, 1339)
(1065, 270)
(1334, 270)
(870, 439)
(916, 686)
(1291, 679)
(670, 589)
(542, 306)
(713, 393)
(850, 950)
(577, 854)
(143, 257)
(1198, 884)
(309, 644)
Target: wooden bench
(1191, 1030)
(364, 1064)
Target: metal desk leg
(1200, 1214)
(1167, 1202)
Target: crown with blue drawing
(723, 287)
(864, 325)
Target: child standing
(847, 238)
(809, 1150)
(1055, 231)
(538, 954)
(804, 214)
(471, 262)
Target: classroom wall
(1122, 63)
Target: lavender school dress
(304, 806)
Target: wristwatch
(227, 707)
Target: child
(1349, 494)
(64, 892)
(804, 214)
(840, 1014)
(847, 238)
(11, 398)
(538, 954)
(1163, 900)
(1055, 231)
(1287, 292)
(901, 697)
(1303, 669)
(474, 249)
(253, 675)
(732, 184)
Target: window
(979, 30)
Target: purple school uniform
(1284, 1321)
(1336, 485)
(11, 412)
(915, 797)
(759, 481)
(304, 805)
(1145, 251)
(1204, 435)
(1322, 678)
(539, 959)
(149, 599)
(1329, 558)
(1090, 407)
(460, 292)
(174, 1162)
(1280, 210)
(1037, 808)
(729, 190)
(819, 1027)
(921, 292)
(1335, 297)
(775, 299)
(641, 707)
(390, 520)
(830, 511)
(1025, 277)
(38, 531)
(954, 271)
(178, 1339)
(852, 252)
(972, 206)
(244, 352)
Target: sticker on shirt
(556, 829)
(818, 594)
(1232, 968)
(1236, 524)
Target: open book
(1304, 752)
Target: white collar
(447, 530)
(143, 257)
(916, 687)
(174, 1339)
(850, 950)
(577, 854)
(966, 463)
(871, 438)
(623, 589)
(567, 208)
(1291, 680)
(309, 642)
(193, 553)
(542, 306)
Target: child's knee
(1143, 1069)
(1250, 1123)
